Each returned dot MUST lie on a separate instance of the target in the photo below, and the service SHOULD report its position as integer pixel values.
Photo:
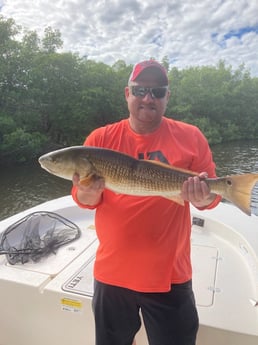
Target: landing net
(36, 236)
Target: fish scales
(137, 177)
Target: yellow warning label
(71, 304)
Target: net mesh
(36, 236)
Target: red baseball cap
(150, 64)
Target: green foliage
(218, 97)
(7, 125)
(52, 40)
(20, 146)
(52, 99)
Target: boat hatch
(204, 275)
(82, 281)
(204, 262)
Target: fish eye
(229, 182)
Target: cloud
(189, 32)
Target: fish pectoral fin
(89, 179)
(176, 198)
(86, 181)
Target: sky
(189, 32)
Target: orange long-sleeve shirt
(144, 242)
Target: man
(143, 258)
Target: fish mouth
(46, 164)
(52, 171)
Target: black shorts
(170, 318)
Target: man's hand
(91, 194)
(197, 191)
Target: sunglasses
(155, 92)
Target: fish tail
(239, 190)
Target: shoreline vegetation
(51, 99)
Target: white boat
(49, 302)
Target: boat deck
(50, 302)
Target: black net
(36, 236)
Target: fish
(124, 174)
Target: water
(236, 157)
(28, 185)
